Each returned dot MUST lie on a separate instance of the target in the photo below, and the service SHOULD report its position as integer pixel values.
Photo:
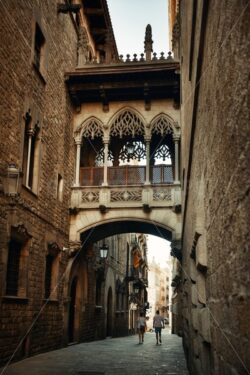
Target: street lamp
(11, 182)
(104, 251)
(136, 288)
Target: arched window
(31, 151)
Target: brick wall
(215, 157)
(23, 87)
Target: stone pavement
(109, 357)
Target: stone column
(78, 156)
(105, 170)
(176, 156)
(147, 140)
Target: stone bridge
(101, 212)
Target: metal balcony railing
(126, 175)
(91, 176)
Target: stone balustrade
(126, 196)
(135, 58)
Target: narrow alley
(110, 357)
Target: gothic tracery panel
(92, 129)
(162, 125)
(127, 123)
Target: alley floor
(108, 357)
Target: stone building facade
(159, 290)
(40, 41)
(36, 117)
(51, 286)
(213, 44)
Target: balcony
(126, 187)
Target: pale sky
(130, 18)
(159, 249)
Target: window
(51, 271)
(17, 264)
(31, 153)
(59, 188)
(13, 267)
(39, 48)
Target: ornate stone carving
(162, 125)
(138, 153)
(162, 153)
(148, 42)
(92, 128)
(162, 195)
(126, 195)
(90, 196)
(127, 123)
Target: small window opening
(39, 47)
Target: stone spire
(148, 43)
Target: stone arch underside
(162, 222)
(103, 230)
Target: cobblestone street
(109, 357)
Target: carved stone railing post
(147, 140)
(176, 138)
(105, 169)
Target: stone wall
(215, 168)
(25, 88)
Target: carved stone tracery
(92, 128)
(162, 195)
(138, 153)
(126, 195)
(161, 125)
(162, 152)
(90, 196)
(127, 123)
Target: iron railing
(126, 175)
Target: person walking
(141, 327)
(158, 324)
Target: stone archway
(75, 297)
(160, 222)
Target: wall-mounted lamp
(136, 288)
(11, 181)
(104, 251)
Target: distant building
(158, 290)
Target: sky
(159, 249)
(130, 18)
